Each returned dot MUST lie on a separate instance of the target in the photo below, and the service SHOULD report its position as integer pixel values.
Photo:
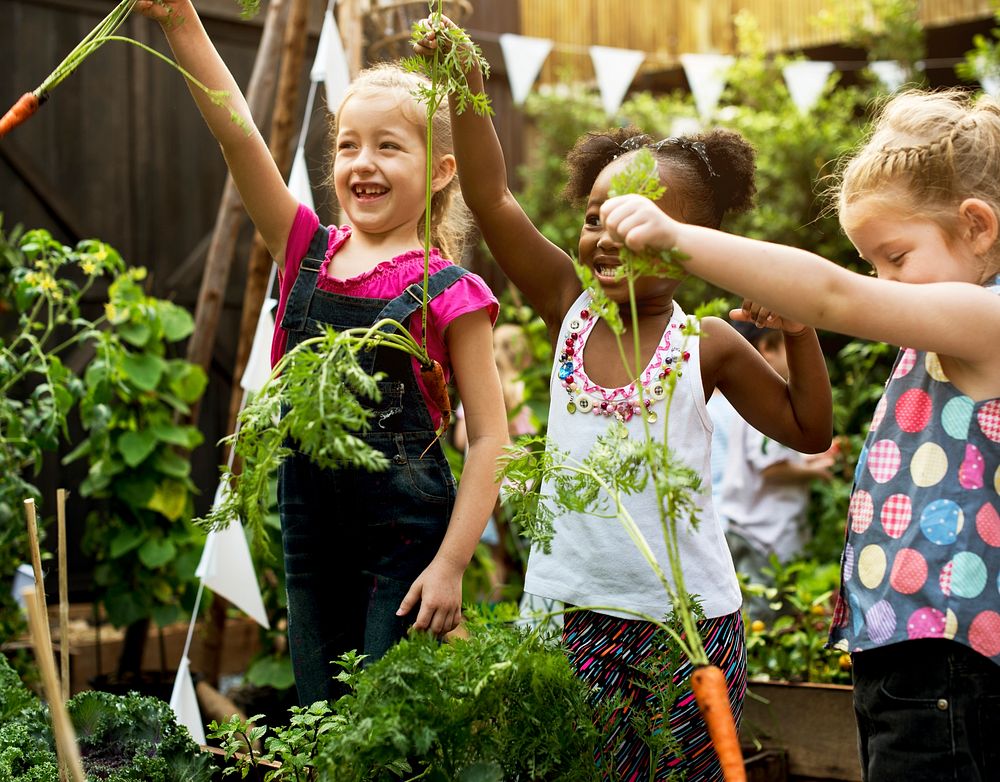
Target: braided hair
(927, 151)
(712, 172)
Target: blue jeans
(927, 711)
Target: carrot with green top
(105, 31)
(26, 105)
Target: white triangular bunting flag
(184, 702)
(523, 57)
(298, 180)
(890, 73)
(806, 80)
(258, 368)
(227, 569)
(330, 65)
(615, 69)
(706, 76)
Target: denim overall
(354, 541)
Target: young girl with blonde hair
(368, 554)
(919, 606)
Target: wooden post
(66, 749)
(231, 214)
(63, 594)
(284, 126)
(349, 22)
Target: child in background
(722, 413)
(368, 554)
(764, 496)
(919, 607)
(593, 562)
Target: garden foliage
(128, 738)
(503, 704)
(124, 400)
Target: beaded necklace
(619, 403)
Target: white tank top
(593, 561)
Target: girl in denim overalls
(919, 606)
(369, 554)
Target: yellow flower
(89, 267)
(757, 626)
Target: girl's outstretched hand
(638, 223)
(763, 317)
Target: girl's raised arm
(542, 271)
(439, 588)
(268, 201)
(953, 319)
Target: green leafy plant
(145, 549)
(792, 647)
(982, 62)
(140, 535)
(41, 324)
(121, 738)
(502, 704)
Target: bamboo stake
(36, 565)
(66, 748)
(63, 594)
(63, 613)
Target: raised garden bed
(813, 723)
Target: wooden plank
(813, 723)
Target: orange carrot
(433, 376)
(708, 683)
(26, 105)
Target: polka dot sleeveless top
(922, 558)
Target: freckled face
(379, 169)
(600, 253)
(908, 248)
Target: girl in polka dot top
(919, 607)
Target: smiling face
(600, 254)
(908, 248)
(380, 164)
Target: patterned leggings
(616, 658)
